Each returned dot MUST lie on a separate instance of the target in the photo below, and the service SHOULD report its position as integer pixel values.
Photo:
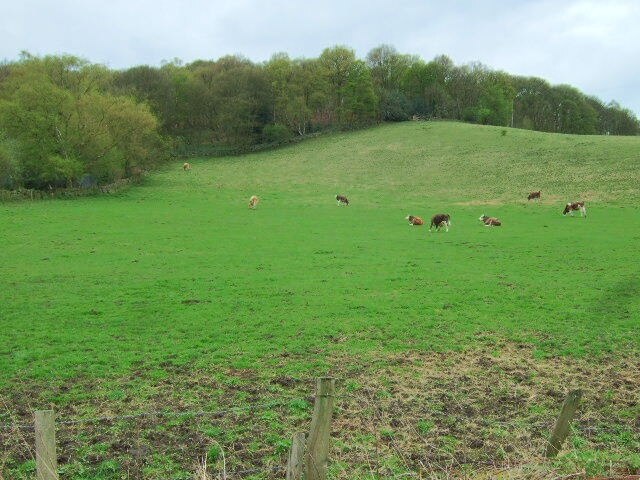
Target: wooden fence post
(315, 460)
(561, 428)
(46, 460)
(296, 457)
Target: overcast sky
(593, 45)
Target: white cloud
(600, 21)
(590, 44)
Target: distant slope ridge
(450, 161)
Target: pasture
(454, 350)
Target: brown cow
(574, 206)
(186, 166)
(253, 201)
(342, 200)
(490, 221)
(534, 195)
(413, 220)
(440, 220)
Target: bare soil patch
(473, 414)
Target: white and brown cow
(575, 206)
(413, 220)
(440, 220)
(253, 201)
(186, 166)
(342, 200)
(534, 195)
(490, 221)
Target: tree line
(66, 122)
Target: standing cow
(574, 206)
(342, 200)
(440, 220)
(253, 201)
(534, 196)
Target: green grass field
(174, 295)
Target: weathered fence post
(296, 457)
(315, 459)
(561, 428)
(46, 460)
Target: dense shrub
(276, 133)
(9, 165)
(64, 123)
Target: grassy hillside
(175, 296)
(433, 161)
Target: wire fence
(232, 410)
(157, 413)
(254, 471)
(356, 406)
(24, 443)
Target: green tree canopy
(64, 123)
(62, 117)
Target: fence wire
(253, 471)
(158, 413)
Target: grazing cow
(413, 220)
(534, 195)
(186, 166)
(253, 201)
(490, 221)
(342, 200)
(440, 220)
(574, 206)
